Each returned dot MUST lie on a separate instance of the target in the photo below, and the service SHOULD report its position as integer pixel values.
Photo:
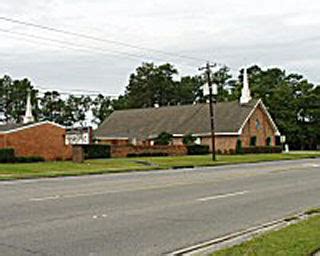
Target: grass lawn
(301, 239)
(54, 169)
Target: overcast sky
(283, 33)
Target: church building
(45, 139)
(247, 120)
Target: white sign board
(283, 139)
(77, 139)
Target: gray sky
(270, 33)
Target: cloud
(234, 32)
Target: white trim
(111, 138)
(217, 134)
(31, 126)
(277, 133)
(270, 118)
(249, 116)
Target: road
(151, 213)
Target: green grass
(54, 169)
(296, 240)
(67, 168)
(168, 162)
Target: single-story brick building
(45, 139)
(247, 120)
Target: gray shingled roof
(188, 119)
(8, 127)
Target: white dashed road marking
(204, 199)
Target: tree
(13, 96)
(221, 79)
(189, 139)
(75, 110)
(151, 85)
(52, 107)
(188, 90)
(101, 108)
(163, 138)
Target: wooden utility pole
(212, 101)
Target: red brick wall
(123, 151)
(114, 142)
(45, 140)
(225, 143)
(266, 130)
(222, 143)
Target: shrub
(163, 138)
(239, 149)
(188, 139)
(29, 159)
(262, 150)
(219, 152)
(198, 149)
(232, 152)
(7, 155)
(147, 154)
(96, 151)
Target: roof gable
(265, 110)
(10, 128)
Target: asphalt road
(150, 213)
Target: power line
(110, 41)
(67, 44)
(75, 92)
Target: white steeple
(28, 118)
(245, 92)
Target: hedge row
(96, 151)
(262, 150)
(198, 149)
(7, 155)
(147, 154)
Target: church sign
(78, 136)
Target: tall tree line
(50, 106)
(292, 100)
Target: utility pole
(212, 101)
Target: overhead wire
(67, 45)
(70, 45)
(90, 37)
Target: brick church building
(44, 139)
(247, 120)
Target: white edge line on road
(204, 199)
(44, 198)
